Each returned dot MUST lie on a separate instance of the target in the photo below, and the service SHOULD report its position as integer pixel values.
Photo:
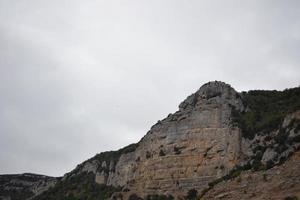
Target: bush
(161, 153)
(192, 194)
(148, 155)
(256, 165)
(177, 150)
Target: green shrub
(177, 150)
(192, 194)
(148, 155)
(256, 165)
(161, 153)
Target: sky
(81, 77)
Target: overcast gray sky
(81, 77)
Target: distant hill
(24, 186)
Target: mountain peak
(216, 91)
(214, 88)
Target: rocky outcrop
(187, 149)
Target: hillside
(207, 149)
(24, 186)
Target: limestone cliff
(186, 150)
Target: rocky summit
(220, 144)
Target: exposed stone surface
(289, 118)
(186, 150)
(101, 178)
(269, 154)
(90, 166)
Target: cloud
(78, 78)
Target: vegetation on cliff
(108, 157)
(265, 110)
(114, 156)
(23, 186)
(78, 187)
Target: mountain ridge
(199, 146)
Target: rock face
(187, 149)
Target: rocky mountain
(219, 144)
